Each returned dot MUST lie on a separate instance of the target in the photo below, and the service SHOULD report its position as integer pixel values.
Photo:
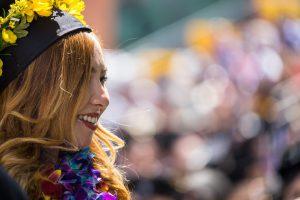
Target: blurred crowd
(218, 118)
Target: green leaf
(4, 13)
(22, 25)
(20, 33)
(4, 25)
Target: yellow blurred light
(199, 35)
(275, 9)
(159, 60)
(291, 8)
(269, 9)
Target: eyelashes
(103, 75)
(103, 79)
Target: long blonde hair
(38, 111)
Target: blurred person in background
(216, 97)
(289, 171)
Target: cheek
(84, 102)
(78, 128)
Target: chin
(83, 134)
(85, 141)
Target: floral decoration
(14, 23)
(75, 178)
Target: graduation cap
(42, 33)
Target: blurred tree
(138, 18)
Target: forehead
(97, 58)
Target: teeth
(95, 120)
(92, 120)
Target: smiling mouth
(89, 120)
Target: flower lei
(75, 178)
(13, 24)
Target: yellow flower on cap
(43, 7)
(12, 24)
(18, 7)
(73, 7)
(1, 65)
(29, 12)
(1, 20)
(29, 18)
(9, 36)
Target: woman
(52, 93)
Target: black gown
(9, 189)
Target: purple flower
(107, 196)
(79, 178)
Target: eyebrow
(103, 69)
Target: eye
(103, 79)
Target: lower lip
(89, 125)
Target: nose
(100, 96)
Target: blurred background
(206, 95)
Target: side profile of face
(95, 101)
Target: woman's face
(94, 103)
